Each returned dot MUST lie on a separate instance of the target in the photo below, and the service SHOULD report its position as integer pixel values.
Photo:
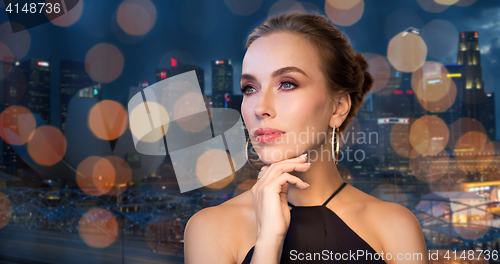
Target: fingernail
(303, 155)
(307, 184)
(308, 163)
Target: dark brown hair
(343, 68)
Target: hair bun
(368, 78)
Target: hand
(270, 196)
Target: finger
(278, 183)
(277, 169)
(301, 158)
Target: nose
(265, 104)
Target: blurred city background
(73, 189)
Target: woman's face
(285, 89)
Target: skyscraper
(72, 78)
(177, 67)
(477, 103)
(222, 81)
(469, 56)
(14, 87)
(37, 95)
(489, 118)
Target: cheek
(307, 110)
(246, 111)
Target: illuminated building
(72, 78)
(222, 81)
(177, 67)
(37, 96)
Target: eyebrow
(277, 72)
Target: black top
(317, 235)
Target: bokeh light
(485, 156)
(140, 125)
(446, 2)
(84, 175)
(70, 17)
(442, 105)
(393, 83)
(434, 89)
(400, 141)
(429, 135)
(463, 126)
(379, 68)
(492, 171)
(104, 63)
(467, 148)
(110, 175)
(186, 104)
(103, 175)
(342, 4)
(98, 228)
(431, 6)
(108, 120)
(136, 17)
(15, 45)
(441, 38)
(16, 125)
(123, 175)
(5, 210)
(205, 169)
(344, 17)
(243, 7)
(47, 145)
(6, 54)
(407, 52)
(431, 82)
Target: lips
(267, 134)
(266, 138)
(267, 130)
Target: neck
(322, 176)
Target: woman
(300, 76)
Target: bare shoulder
(392, 215)
(386, 213)
(398, 229)
(210, 236)
(395, 227)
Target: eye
(245, 88)
(287, 85)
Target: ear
(341, 109)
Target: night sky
(200, 31)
